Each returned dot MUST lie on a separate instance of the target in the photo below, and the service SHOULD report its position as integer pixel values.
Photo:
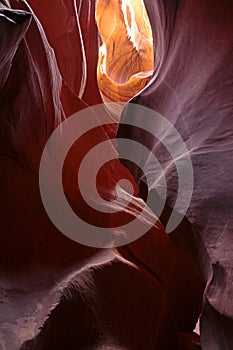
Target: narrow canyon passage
(164, 72)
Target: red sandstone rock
(149, 294)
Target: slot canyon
(147, 85)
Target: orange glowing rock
(126, 56)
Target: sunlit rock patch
(126, 54)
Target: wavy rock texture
(126, 56)
(148, 294)
(192, 87)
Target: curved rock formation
(126, 54)
(192, 87)
(147, 294)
